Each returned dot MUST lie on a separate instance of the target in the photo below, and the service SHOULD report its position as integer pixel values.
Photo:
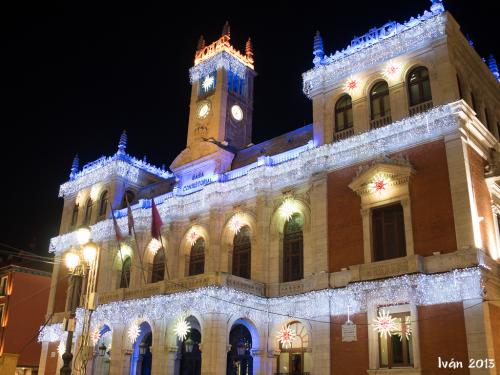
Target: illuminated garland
(214, 63)
(416, 129)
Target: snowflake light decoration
(95, 336)
(154, 245)
(378, 184)
(405, 329)
(351, 85)
(182, 328)
(133, 332)
(193, 236)
(288, 208)
(208, 83)
(236, 222)
(61, 348)
(385, 324)
(286, 336)
(390, 70)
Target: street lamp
(142, 348)
(188, 344)
(78, 270)
(102, 350)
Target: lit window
(343, 113)
(419, 86)
(242, 253)
(125, 274)
(158, 271)
(197, 257)
(379, 101)
(396, 349)
(88, 212)
(103, 204)
(293, 249)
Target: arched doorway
(295, 359)
(142, 358)
(102, 352)
(190, 363)
(239, 358)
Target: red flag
(130, 217)
(156, 222)
(118, 233)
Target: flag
(156, 222)
(118, 233)
(130, 217)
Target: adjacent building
(364, 243)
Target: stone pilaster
(316, 257)
(260, 245)
(214, 344)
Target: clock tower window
(207, 84)
(235, 83)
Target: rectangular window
(388, 232)
(3, 285)
(396, 349)
(2, 310)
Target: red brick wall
(483, 200)
(442, 334)
(495, 329)
(349, 357)
(26, 313)
(432, 211)
(51, 364)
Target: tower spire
(74, 167)
(492, 64)
(318, 50)
(201, 43)
(226, 30)
(249, 49)
(122, 144)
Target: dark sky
(77, 73)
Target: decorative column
(259, 362)
(120, 355)
(214, 340)
(158, 349)
(212, 255)
(260, 250)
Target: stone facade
(435, 161)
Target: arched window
(197, 257)
(125, 275)
(293, 249)
(379, 101)
(295, 358)
(88, 211)
(242, 253)
(343, 113)
(158, 272)
(103, 204)
(419, 86)
(74, 216)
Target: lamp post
(78, 271)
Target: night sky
(78, 73)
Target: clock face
(237, 112)
(203, 109)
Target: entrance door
(296, 363)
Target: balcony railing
(381, 121)
(422, 107)
(343, 134)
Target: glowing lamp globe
(83, 235)
(72, 260)
(90, 252)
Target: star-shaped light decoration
(405, 329)
(208, 83)
(378, 184)
(182, 328)
(133, 332)
(236, 222)
(95, 335)
(61, 348)
(351, 85)
(154, 245)
(385, 324)
(193, 236)
(288, 208)
(286, 336)
(390, 70)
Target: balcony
(419, 108)
(381, 121)
(343, 134)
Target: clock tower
(220, 116)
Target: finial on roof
(226, 30)
(492, 64)
(122, 144)
(74, 167)
(437, 6)
(249, 48)
(201, 43)
(318, 50)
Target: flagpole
(129, 212)
(164, 256)
(154, 210)
(115, 224)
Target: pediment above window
(384, 176)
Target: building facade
(366, 242)
(24, 293)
